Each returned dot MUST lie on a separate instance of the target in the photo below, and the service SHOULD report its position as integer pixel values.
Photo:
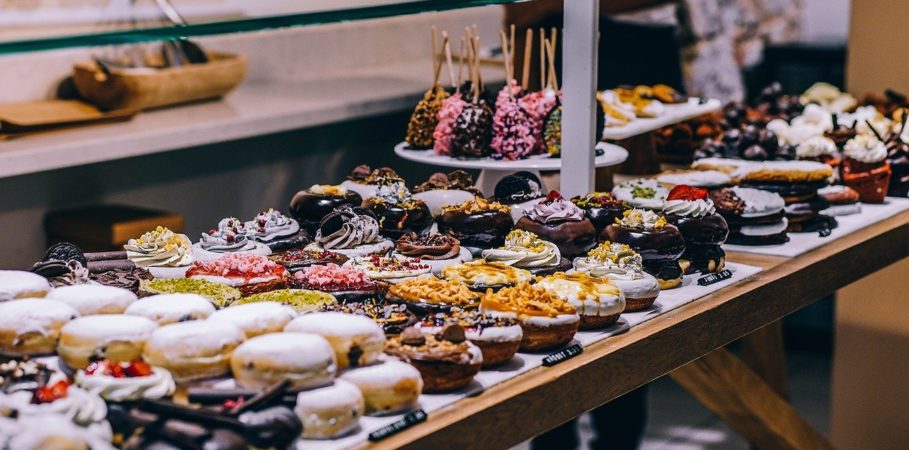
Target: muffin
(477, 223)
(561, 222)
(659, 243)
(310, 206)
(866, 168)
(624, 267)
(447, 361)
(398, 212)
(525, 250)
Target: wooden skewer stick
(528, 48)
(553, 78)
(451, 77)
(553, 37)
(476, 56)
(439, 64)
(511, 50)
(435, 58)
(505, 56)
(460, 65)
(542, 59)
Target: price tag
(409, 420)
(715, 277)
(824, 232)
(562, 355)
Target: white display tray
(524, 362)
(612, 155)
(800, 243)
(672, 115)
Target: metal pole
(579, 75)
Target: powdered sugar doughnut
(305, 359)
(257, 318)
(32, 326)
(357, 340)
(21, 284)
(91, 299)
(110, 336)
(194, 350)
(169, 308)
(331, 411)
(389, 387)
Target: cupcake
(220, 295)
(481, 275)
(445, 189)
(429, 295)
(525, 250)
(477, 223)
(345, 283)
(866, 168)
(228, 238)
(819, 148)
(497, 337)
(602, 208)
(250, 274)
(598, 301)
(433, 249)
(276, 230)
(691, 210)
(520, 191)
(295, 259)
(647, 194)
(389, 269)
(310, 206)
(365, 181)
(398, 212)
(302, 300)
(546, 320)
(561, 222)
(659, 243)
(164, 253)
(447, 361)
(624, 267)
(350, 232)
(393, 318)
(754, 217)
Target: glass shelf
(246, 22)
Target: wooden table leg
(729, 388)
(763, 351)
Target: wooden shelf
(546, 397)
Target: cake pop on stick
(512, 125)
(539, 103)
(451, 108)
(423, 121)
(473, 128)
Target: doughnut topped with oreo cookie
(520, 191)
(311, 205)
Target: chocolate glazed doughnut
(310, 208)
(486, 229)
(660, 250)
(574, 238)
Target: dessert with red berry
(659, 243)
(277, 231)
(250, 274)
(229, 237)
(296, 258)
(389, 269)
(602, 208)
(345, 283)
(118, 382)
(51, 395)
(398, 212)
(561, 222)
(311, 205)
(692, 211)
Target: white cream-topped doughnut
(81, 407)
(645, 287)
(306, 359)
(112, 336)
(357, 340)
(389, 387)
(55, 432)
(194, 350)
(599, 303)
(169, 308)
(32, 326)
(91, 299)
(155, 386)
(540, 321)
(257, 318)
(331, 411)
(21, 284)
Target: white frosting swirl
(560, 210)
(865, 148)
(612, 260)
(690, 208)
(230, 236)
(357, 229)
(155, 386)
(525, 250)
(160, 247)
(815, 147)
(270, 225)
(82, 407)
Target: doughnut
(331, 411)
(111, 336)
(306, 359)
(169, 308)
(32, 326)
(91, 299)
(257, 318)
(56, 432)
(357, 340)
(194, 350)
(388, 388)
(21, 284)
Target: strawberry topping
(688, 193)
(50, 393)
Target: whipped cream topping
(689, 208)
(158, 385)
(865, 148)
(552, 211)
(160, 247)
(230, 236)
(525, 250)
(640, 218)
(759, 203)
(815, 146)
(356, 230)
(270, 225)
(641, 193)
(82, 407)
(613, 260)
(828, 97)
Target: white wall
(826, 20)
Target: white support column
(579, 78)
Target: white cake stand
(493, 170)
